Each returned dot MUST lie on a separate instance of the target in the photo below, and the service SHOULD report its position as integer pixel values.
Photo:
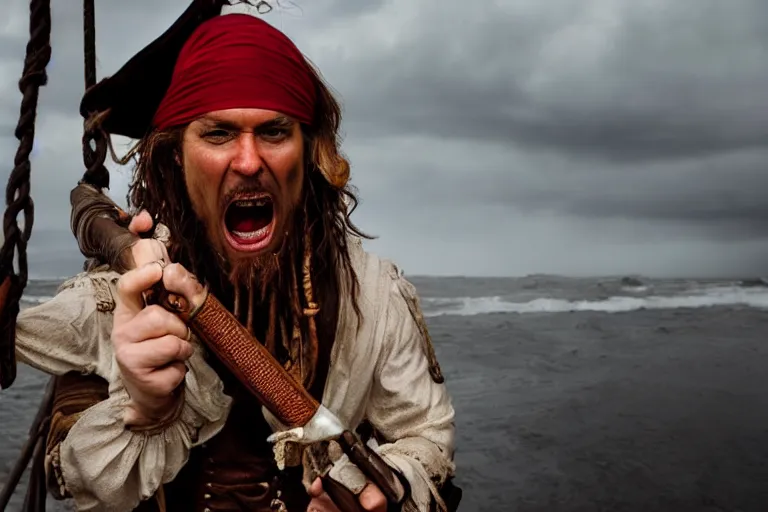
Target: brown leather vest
(236, 471)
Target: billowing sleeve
(409, 405)
(63, 334)
(102, 464)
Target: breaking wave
(722, 296)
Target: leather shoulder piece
(408, 291)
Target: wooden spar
(35, 446)
(36, 489)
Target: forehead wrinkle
(224, 120)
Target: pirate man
(239, 176)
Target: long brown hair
(323, 218)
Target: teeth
(247, 203)
(251, 234)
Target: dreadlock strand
(251, 305)
(297, 342)
(271, 343)
(311, 310)
(236, 308)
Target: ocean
(588, 394)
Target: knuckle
(179, 377)
(168, 382)
(178, 274)
(185, 349)
(122, 283)
(125, 357)
(178, 347)
(174, 346)
(175, 270)
(119, 335)
(168, 347)
(156, 315)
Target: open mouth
(249, 222)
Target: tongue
(246, 220)
(248, 225)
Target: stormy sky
(577, 137)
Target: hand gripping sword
(307, 420)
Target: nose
(247, 160)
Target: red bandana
(237, 61)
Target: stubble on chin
(256, 271)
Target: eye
(275, 133)
(217, 135)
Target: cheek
(290, 172)
(295, 179)
(203, 172)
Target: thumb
(130, 288)
(316, 489)
(141, 223)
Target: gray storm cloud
(487, 139)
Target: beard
(260, 274)
(256, 271)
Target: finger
(141, 223)
(372, 499)
(161, 383)
(148, 250)
(130, 287)
(156, 389)
(146, 356)
(177, 279)
(316, 489)
(153, 322)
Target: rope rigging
(17, 197)
(19, 202)
(17, 194)
(94, 139)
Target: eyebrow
(279, 121)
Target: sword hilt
(271, 384)
(391, 483)
(248, 360)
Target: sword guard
(322, 426)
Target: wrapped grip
(245, 357)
